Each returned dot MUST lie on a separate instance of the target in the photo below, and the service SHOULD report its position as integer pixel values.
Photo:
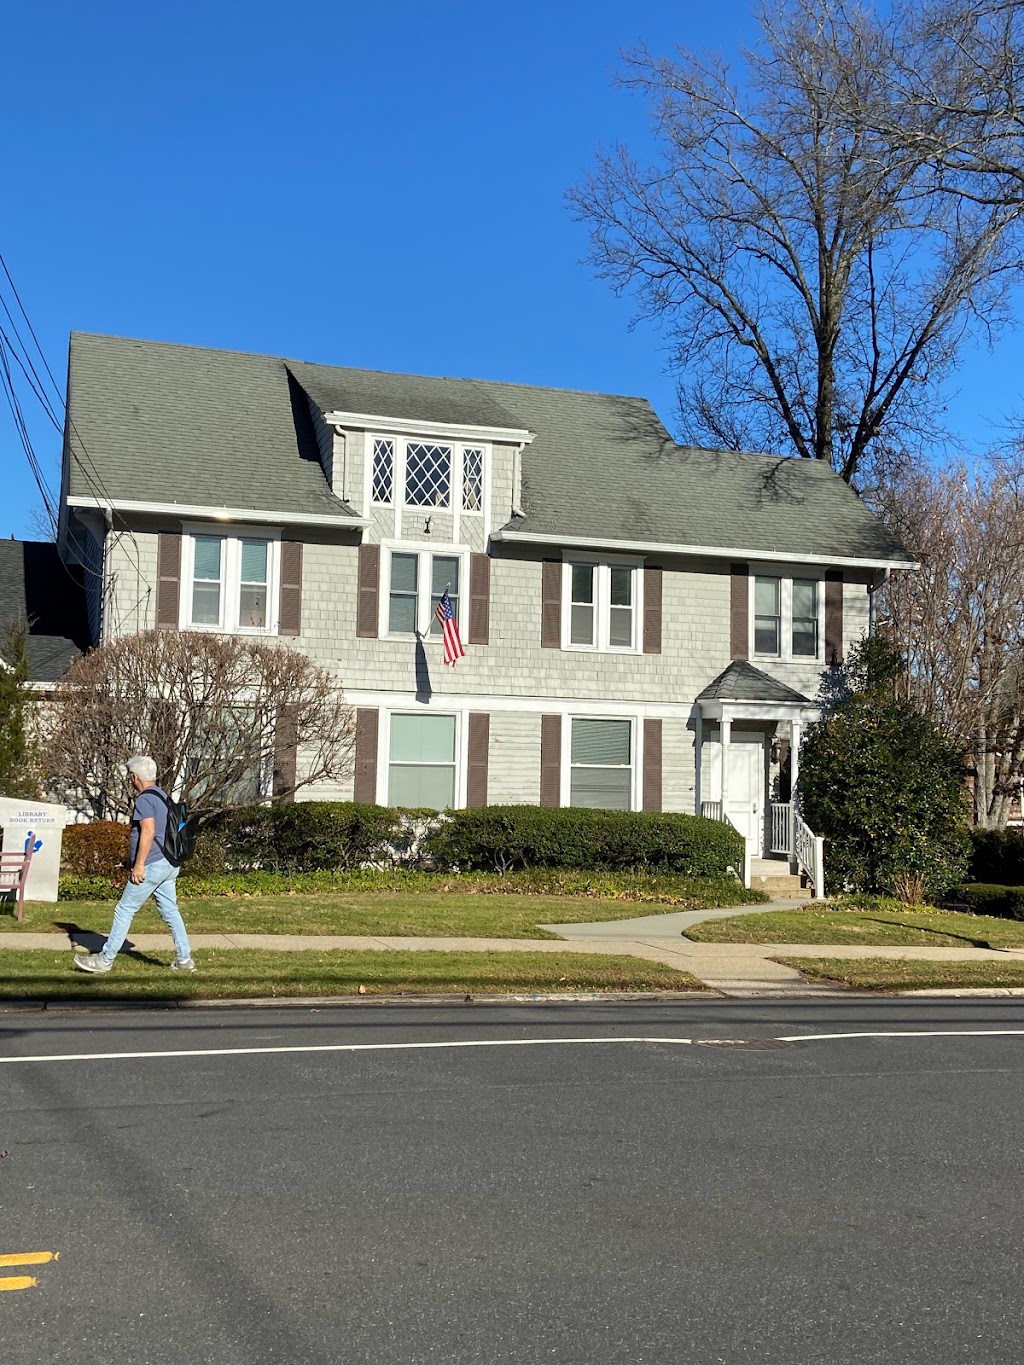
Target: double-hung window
(599, 606)
(418, 579)
(601, 764)
(787, 616)
(421, 761)
(443, 475)
(230, 582)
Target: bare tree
(225, 717)
(814, 278)
(960, 619)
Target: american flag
(452, 644)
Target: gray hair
(143, 767)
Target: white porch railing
(809, 849)
(782, 828)
(712, 810)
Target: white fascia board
(205, 513)
(759, 710)
(406, 426)
(664, 547)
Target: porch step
(781, 888)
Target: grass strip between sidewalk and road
(884, 974)
(876, 928)
(377, 914)
(246, 973)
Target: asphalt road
(832, 1200)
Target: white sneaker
(183, 966)
(92, 962)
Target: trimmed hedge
(986, 898)
(997, 856)
(504, 838)
(303, 836)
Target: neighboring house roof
(741, 681)
(168, 423)
(35, 586)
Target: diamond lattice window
(428, 475)
(472, 480)
(383, 470)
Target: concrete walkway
(735, 969)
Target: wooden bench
(13, 876)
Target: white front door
(745, 788)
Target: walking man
(151, 874)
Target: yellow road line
(28, 1257)
(17, 1282)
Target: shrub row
(997, 856)
(313, 836)
(982, 898)
(504, 838)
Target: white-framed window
(382, 490)
(600, 605)
(601, 762)
(443, 475)
(787, 615)
(416, 580)
(230, 580)
(422, 760)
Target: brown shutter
(551, 605)
(365, 786)
(652, 765)
(652, 609)
(290, 615)
(551, 760)
(168, 579)
(476, 776)
(285, 754)
(369, 588)
(479, 600)
(833, 616)
(740, 611)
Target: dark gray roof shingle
(36, 587)
(741, 681)
(163, 422)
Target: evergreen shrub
(997, 855)
(505, 838)
(1005, 902)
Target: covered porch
(748, 727)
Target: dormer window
(442, 475)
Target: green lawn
(880, 928)
(880, 974)
(226, 974)
(409, 914)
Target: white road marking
(327, 1047)
(909, 1033)
(495, 1042)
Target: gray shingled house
(645, 624)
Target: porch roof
(741, 681)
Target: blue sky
(375, 185)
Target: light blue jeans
(159, 883)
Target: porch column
(698, 760)
(726, 737)
(794, 757)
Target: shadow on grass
(939, 933)
(93, 942)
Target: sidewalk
(735, 969)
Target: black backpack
(181, 832)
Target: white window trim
(424, 614)
(602, 603)
(231, 569)
(461, 750)
(398, 505)
(785, 654)
(635, 733)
